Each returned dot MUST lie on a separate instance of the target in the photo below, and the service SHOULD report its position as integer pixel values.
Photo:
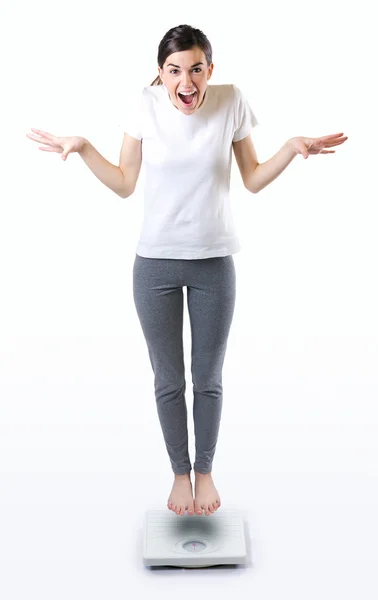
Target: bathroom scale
(193, 541)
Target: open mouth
(187, 100)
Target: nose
(186, 82)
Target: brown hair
(177, 39)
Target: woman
(188, 236)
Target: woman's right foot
(181, 496)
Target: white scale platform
(193, 541)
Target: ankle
(182, 477)
(199, 475)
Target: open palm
(53, 143)
(306, 146)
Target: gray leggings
(158, 297)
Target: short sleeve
(245, 118)
(132, 116)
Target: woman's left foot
(206, 496)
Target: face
(182, 73)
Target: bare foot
(206, 495)
(181, 497)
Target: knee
(207, 383)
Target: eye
(196, 69)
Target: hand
(63, 145)
(306, 146)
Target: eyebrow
(172, 65)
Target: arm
(264, 173)
(109, 174)
(257, 176)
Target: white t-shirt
(187, 161)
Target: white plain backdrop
(82, 455)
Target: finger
(336, 143)
(47, 149)
(330, 137)
(36, 138)
(43, 133)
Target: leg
(211, 302)
(158, 298)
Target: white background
(82, 455)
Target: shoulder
(223, 89)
